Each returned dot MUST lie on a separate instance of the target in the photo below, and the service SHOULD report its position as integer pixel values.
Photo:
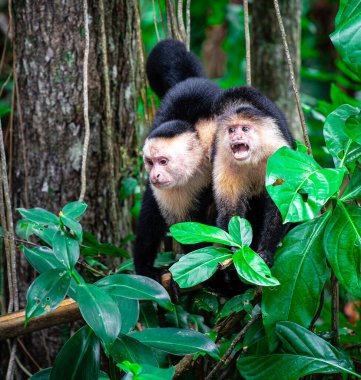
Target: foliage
(110, 306)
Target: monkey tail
(170, 63)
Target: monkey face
(171, 162)
(241, 140)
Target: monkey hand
(166, 279)
(267, 256)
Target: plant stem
(76, 277)
(112, 369)
(346, 153)
(335, 308)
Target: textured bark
(49, 130)
(270, 71)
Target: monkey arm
(151, 230)
(225, 212)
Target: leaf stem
(76, 276)
(346, 153)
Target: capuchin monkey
(177, 152)
(249, 129)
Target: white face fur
(172, 162)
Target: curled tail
(170, 63)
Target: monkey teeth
(240, 151)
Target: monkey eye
(149, 162)
(231, 130)
(163, 161)
(245, 129)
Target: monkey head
(172, 155)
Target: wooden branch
(12, 325)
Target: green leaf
(252, 268)
(353, 128)
(44, 374)
(345, 38)
(302, 353)
(126, 265)
(99, 311)
(46, 233)
(136, 287)
(298, 185)
(176, 341)
(24, 228)
(353, 189)
(146, 372)
(178, 317)
(300, 266)
(128, 187)
(192, 233)
(38, 215)
(237, 304)
(148, 314)
(66, 249)
(46, 292)
(43, 259)
(74, 210)
(129, 312)
(198, 266)
(342, 242)
(79, 358)
(204, 300)
(74, 226)
(241, 230)
(92, 247)
(336, 137)
(127, 348)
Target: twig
(248, 43)
(155, 21)
(183, 365)
(11, 366)
(28, 354)
(22, 367)
(335, 306)
(108, 128)
(292, 76)
(86, 102)
(232, 346)
(181, 27)
(4, 49)
(188, 16)
(5, 83)
(318, 312)
(162, 19)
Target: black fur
(170, 63)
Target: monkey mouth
(162, 185)
(240, 151)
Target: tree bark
(270, 73)
(48, 134)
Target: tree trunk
(49, 126)
(270, 73)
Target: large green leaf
(353, 189)
(43, 259)
(353, 128)
(74, 210)
(252, 269)
(46, 292)
(99, 311)
(198, 266)
(79, 358)
(24, 228)
(345, 38)
(192, 233)
(136, 287)
(146, 372)
(241, 230)
(46, 232)
(127, 348)
(129, 312)
(176, 341)
(44, 374)
(342, 242)
(298, 185)
(66, 249)
(74, 226)
(38, 215)
(336, 137)
(301, 353)
(300, 266)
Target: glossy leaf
(74, 210)
(252, 268)
(24, 228)
(79, 358)
(146, 372)
(192, 233)
(43, 259)
(44, 374)
(148, 316)
(46, 233)
(347, 30)
(301, 353)
(342, 242)
(136, 287)
(298, 185)
(176, 341)
(74, 226)
(66, 249)
(46, 292)
(99, 311)
(353, 189)
(198, 266)
(38, 215)
(300, 266)
(127, 348)
(237, 304)
(129, 312)
(336, 137)
(353, 128)
(241, 230)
